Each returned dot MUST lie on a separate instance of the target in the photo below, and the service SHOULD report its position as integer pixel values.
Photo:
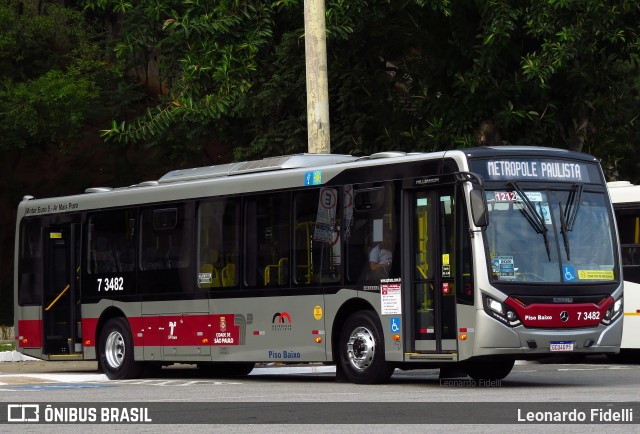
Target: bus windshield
(537, 235)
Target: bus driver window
(381, 255)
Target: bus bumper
(497, 338)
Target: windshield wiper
(535, 220)
(568, 216)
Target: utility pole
(315, 47)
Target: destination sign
(535, 169)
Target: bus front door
(431, 240)
(60, 308)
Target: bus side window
(372, 219)
(218, 233)
(112, 241)
(30, 266)
(630, 255)
(629, 230)
(464, 295)
(166, 239)
(267, 249)
(318, 253)
(103, 258)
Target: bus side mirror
(479, 208)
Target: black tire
(627, 356)
(361, 350)
(226, 369)
(151, 369)
(494, 369)
(116, 351)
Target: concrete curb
(14, 356)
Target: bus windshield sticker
(503, 267)
(542, 208)
(505, 196)
(533, 196)
(546, 213)
(512, 196)
(595, 274)
(568, 273)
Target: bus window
(317, 253)
(464, 294)
(165, 240)
(371, 229)
(629, 230)
(112, 242)
(267, 242)
(218, 243)
(30, 283)
(522, 234)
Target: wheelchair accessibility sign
(569, 274)
(394, 324)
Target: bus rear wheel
(361, 350)
(116, 351)
(491, 369)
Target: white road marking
(102, 378)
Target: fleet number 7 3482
(593, 315)
(111, 284)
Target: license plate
(561, 346)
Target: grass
(7, 347)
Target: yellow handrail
(279, 266)
(66, 288)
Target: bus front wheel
(361, 350)
(116, 351)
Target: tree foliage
(52, 75)
(207, 55)
(412, 75)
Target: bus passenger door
(431, 240)
(61, 312)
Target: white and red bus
(493, 255)
(626, 204)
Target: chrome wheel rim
(114, 350)
(361, 348)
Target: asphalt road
(296, 398)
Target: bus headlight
(495, 305)
(613, 312)
(500, 311)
